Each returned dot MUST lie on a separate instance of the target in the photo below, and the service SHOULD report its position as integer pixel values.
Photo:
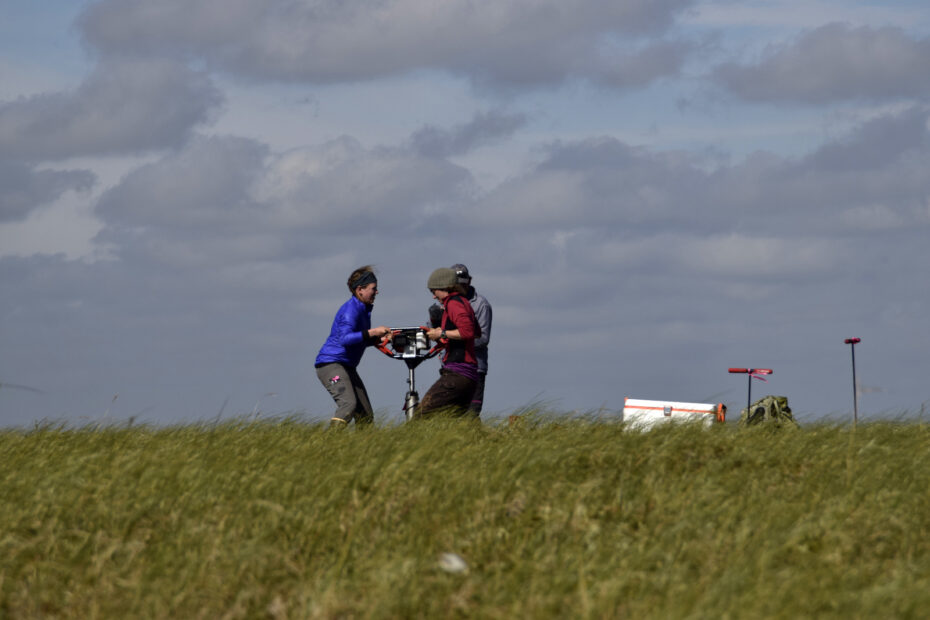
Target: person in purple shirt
(458, 329)
(339, 356)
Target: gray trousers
(347, 389)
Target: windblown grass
(574, 519)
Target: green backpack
(768, 410)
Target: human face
(439, 294)
(366, 294)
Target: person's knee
(346, 405)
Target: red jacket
(459, 315)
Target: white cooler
(647, 413)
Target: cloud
(634, 263)
(644, 65)
(833, 63)
(603, 183)
(223, 198)
(23, 188)
(516, 43)
(876, 169)
(232, 205)
(124, 106)
(340, 186)
(171, 343)
(203, 185)
(485, 128)
(877, 142)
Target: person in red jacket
(458, 376)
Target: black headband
(364, 280)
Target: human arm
(462, 316)
(435, 333)
(378, 332)
(353, 326)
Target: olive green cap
(442, 278)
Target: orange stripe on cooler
(676, 409)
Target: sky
(647, 193)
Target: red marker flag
(753, 372)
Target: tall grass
(553, 519)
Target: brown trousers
(450, 394)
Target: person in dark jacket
(482, 310)
(338, 359)
(458, 329)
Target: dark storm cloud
(23, 188)
(507, 44)
(486, 128)
(122, 107)
(832, 63)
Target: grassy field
(282, 519)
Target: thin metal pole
(852, 347)
(749, 395)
